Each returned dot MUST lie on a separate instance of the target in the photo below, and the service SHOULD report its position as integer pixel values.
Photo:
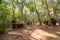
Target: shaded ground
(33, 33)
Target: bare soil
(33, 32)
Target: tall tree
(48, 13)
(54, 11)
(37, 13)
(13, 8)
(13, 11)
(21, 7)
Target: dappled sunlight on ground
(35, 33)
(39, 34)
(58, 32)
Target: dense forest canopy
(28, 10)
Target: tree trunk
(48, 13)
(13, 8)
(54, 12)
(37, 14)
(22, 10)
(21, 7)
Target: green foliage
(25, 8)
(30, 5)
(58, 1)
(0, 1)
(40, 3)
(4, 12)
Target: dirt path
(34, 33)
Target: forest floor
(33, 32)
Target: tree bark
(37, 14)
(54, 12)
(48, 13)
(13, 8)
(13, 11)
